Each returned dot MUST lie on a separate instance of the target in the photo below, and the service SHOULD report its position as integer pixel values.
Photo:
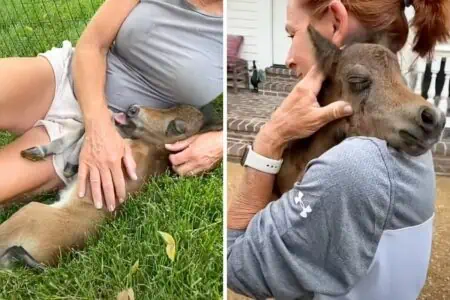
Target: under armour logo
(305, 209)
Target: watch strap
(261, 163)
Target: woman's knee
(19, 176)
(27, 88)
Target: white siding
(406, 56)
(253, 20)
(243, 20)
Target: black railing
(440, 79)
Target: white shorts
(64, 114)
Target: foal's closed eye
(176, 127)
(358, 83)
(358, 77)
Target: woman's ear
(339, 18)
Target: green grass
(189, 209)
(28, 27)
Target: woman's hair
(387, 17)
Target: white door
(281, 41)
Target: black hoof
(17, 255)
(33, 154)
(70, 170)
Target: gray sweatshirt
(357, 227)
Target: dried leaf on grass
(126, 295)
(170, 242)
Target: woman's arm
(299, 116)
(90, 56)
(103, 150)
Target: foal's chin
(408, 147)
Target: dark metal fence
(28, 27)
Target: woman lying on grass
(149, 52)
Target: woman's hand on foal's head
(101, 159)
(300, 115)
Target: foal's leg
(17, 254)
(58, 146)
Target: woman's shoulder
(361, 147)
(365, 165)
(368, 169)
(354, 170)
(361, 153)
(354, 158)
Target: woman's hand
(199, 153)
(101, 163)
(299, 116)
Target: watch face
(244, 156)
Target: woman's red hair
(431, 21)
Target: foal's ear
(327, 54)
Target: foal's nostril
(428, 117)
(431, 120)
(133, 111)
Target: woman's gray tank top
(166, 53)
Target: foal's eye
(358, 83)
(176, 127)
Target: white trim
(265, 35)
(442, 50)
(280, 41)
